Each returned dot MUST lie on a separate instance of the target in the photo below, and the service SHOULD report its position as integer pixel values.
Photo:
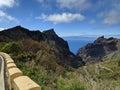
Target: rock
(63, 49)
(60, 46)
(94, 52)
(18, 33)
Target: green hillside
(39, 61)
(102, 76)
(46, 59)
(42, 67)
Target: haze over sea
(77, 42)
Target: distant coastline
(76, 42)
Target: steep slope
(46, 59)
(103, 75)
(94, 52)
(18, 33)
(59, 46)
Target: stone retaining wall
(16, 79)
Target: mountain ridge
(44, 55)
(94, 52)
(61, 46)
(91, 53)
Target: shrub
(26, 56)
(69, 84)
(11, 48)
(29, 45)
(36, 73)
(119, 62)
(76, 86)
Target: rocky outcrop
(94, 52)
(62, 49)
(60, 46)
(18, 33)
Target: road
(2, 73)
(0, 64)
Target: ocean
(76, 44)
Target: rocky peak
(93, 52)
(49, 32)
(15, 33)
(100, 39)
(50, 35)
(60, 46)
(18, 28)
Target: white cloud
(40, 1)
(1, 29)
(8, 3)
(92, 21)
(68, 4)
(111, 16)
(62, 18)
(5, 17)
(74, 4)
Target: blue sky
(67, 17)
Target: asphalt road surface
(2, 73)
(0, 64)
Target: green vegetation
(119, 62)
(69, 84)
(11, 48)
(39, 61)
(101, 76)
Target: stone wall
(15, 77)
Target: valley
(46, 59)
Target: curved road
(2, 73)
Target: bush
(119, 62)
(28, 45)
(25, 56)
(11, 48)
(36, 73)
(76, 86)
(69, 84)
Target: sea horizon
(77, 42)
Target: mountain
(60, 46)
(94, 52)
(18, 33)
(103, 75)
(46, 59)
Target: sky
(67, 17)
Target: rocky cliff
(60, 46)
(94, 52)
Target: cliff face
(61, 48)
(91, 53)
(94, 52)
(17, 33)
